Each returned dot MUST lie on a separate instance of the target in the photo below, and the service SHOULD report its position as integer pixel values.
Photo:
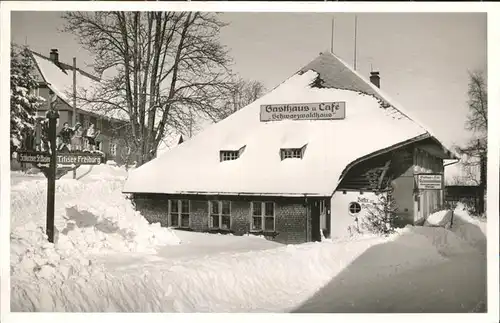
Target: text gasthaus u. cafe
(303, 111)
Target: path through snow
(455, 286)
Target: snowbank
(446, 242)
(38, 267)
(91, 217)
(469, 229)
(439, 219)
(273, 280)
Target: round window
(354, 208)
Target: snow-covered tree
(382, 215)
(23, 99)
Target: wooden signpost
(47, 162)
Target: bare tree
(167, 68)
(477, 122)
(242, 93)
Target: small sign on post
(39, 158)
(79, 158)
(430, 181)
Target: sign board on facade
(303, 111)
(42, 159)
(430, 181)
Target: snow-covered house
(307, 158)
(57, 76)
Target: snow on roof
(59, 79)
(195, 167)
(169, 141)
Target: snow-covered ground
(108, 258)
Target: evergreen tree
(382, 215)
(23, 99)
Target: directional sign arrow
(40, 165)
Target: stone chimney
(54, 55)
(375, 78)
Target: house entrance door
(315, 221)
(419, 209)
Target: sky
(423, 58)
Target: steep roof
(59, 78)
(372, 123)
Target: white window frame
(179, 213)
(286, 153)
(219, 215)
(262, 216)
(112, 148)
(226, 155)
(352, 204)
(291, 153)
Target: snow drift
(230, 282)
(462, 224)
(91, 217)
(94, 218)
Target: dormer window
(292, 152)
(226, 155)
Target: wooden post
(74, 91)
(74, 101)
(52, 115)
(355, 40)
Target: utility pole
(333, 30)
(74, 101)
(355, 39)
(74, 91)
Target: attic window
(226, 155)
(286, 153)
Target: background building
(57, 76)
